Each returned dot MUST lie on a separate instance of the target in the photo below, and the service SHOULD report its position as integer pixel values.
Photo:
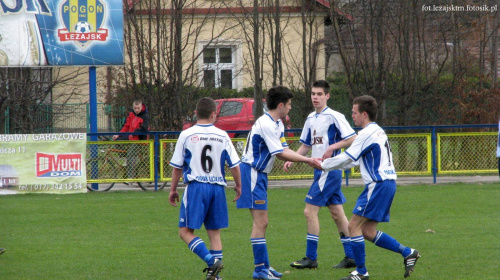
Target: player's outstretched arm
(342, 161)
(337, 146)
(303, 150)
(289, 155)
(235, 171)
(173, 197)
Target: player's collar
(271, 117)
(324, 109)
(369, 124)
(205, 125)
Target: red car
(235, 114)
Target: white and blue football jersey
(202, 152)
(266, 139)
(324, 129)
(371, 150)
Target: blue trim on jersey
(204, 125)
(277, 152)
(308, 139)
(349, 136)
(334, 136)
(187, 167)
(271, 117)
(175, 165)
(234, 165)
(371, 161)
(363, 151)
(369, 124)
(351, 156)
(223, 158)
(261, 155)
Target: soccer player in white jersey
(325, 132)
(265, 142)
(371, 150)
(199, 157)
(20, 40)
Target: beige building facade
(218, 47)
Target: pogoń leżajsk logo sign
(58, 165)
(82, 20)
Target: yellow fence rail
(472, 152)
(464, 153)
(411, 155)
(120, 161)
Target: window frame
(234, 66)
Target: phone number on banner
(50, 187)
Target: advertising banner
(46, 163)
(36, 33)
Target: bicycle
(110, 162)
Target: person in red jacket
(137, 121)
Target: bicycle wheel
(101, 170)
(100, 187)
(151, 186)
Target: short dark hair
(205, 107)
(322, 84)
(277, 95)
(137, 102)
(368, 104)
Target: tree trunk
(257, 89)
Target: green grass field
(133, 235)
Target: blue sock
(260, 254)
(312, 246)
(200, 249)
(346, 243)
(217, 254)
(358, 248)
(386, 241)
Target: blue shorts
(325, 189)
(253, 188)
(204, 203)
(375, 201)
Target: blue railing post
(157, 159)
(346, 172)
(93, 114)
(434, 159)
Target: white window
(219, 65)
(43, 163)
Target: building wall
(232, 28)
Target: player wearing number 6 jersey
(371, 150)
(200, 155)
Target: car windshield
(194, 118)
